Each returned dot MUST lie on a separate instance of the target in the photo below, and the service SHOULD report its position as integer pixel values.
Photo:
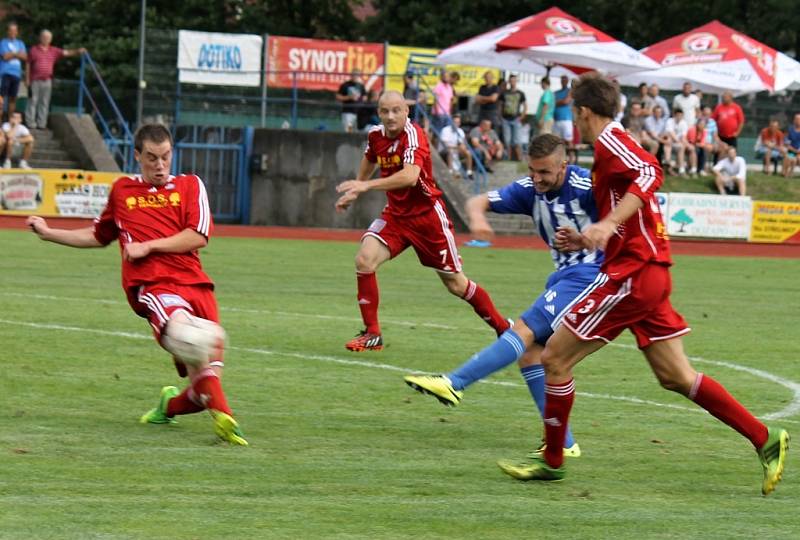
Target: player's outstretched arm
(185, 241)
(479, 226)
(597, 234)
(79, 238)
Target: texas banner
(318, 64)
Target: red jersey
(411, 146)
(138, 211)
(622, 166)
(768, 137)
(729, 118)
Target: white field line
(361, 363)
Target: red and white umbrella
(717, 58)
(550, 38)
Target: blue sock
(534, 378)
(506, 350)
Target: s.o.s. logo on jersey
(155, 200)
(566, 31)
(389, 162)
(696, 47)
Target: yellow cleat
(773, 457)
(572, 451)
(227, 428)
(438, 387)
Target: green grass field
(340, 446)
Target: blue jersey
(562, 112)
(793, 137)
(11, 67)
(571, 206)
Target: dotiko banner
(777, 222)
(221, 59)
(318, 64)
(708, 216)
(54, 193)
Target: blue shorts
(9, 86)
(563, 289)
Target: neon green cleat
(159, 414)
(572, 451)
(437, 386)
(773, 458)
(227, 428)
(532, 469)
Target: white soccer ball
(193, 340)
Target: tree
(683, 218)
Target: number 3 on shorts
(587, 307)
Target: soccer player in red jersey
(634, 293)
(414, 216)
(160, 222)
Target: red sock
(558, 403)
(483, 306)
(208, 390)
(368, 300)
(183, 403)
(713, 397)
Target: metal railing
(113, 127)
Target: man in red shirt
(770, 145)
(633, 294)
(730, 119)
(42, 59)
(160, 221)
(414, 216)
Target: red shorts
(157, 302)
(430, 234)
(640, 303)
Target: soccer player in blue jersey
(554, 195)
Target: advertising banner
(777, 222)
(422, 61)
(318, 64)
(220, 59)
(54, 193)
(709, 216)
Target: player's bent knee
(193, 340)
(366, 262)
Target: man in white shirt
(454, 141)
(688, 102)
(676, 131)
(731, 172)
(19, 141)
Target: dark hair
(545, 145)
(546, 80)
(156, 133)
(596, 93)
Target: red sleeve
(417, 149)
(197, 212)
(630, 161)
(715, 114)
(369, 151)
(105, 226)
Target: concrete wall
(297, 186)
(82, 141)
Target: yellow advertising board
(776, 222)
(54, 193)
(423, 61)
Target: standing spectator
(515, 109)
(562, 116)
(488, 98)
(443, 95)
(623, 104)
(645, 100)
(731, 173)
(19, 141)
(486, 142)
(676, 131)
(730, 119)
(769, 145)
(659, 100)
(367, 115)
(42, 59)
(792, 147)
(687, 102)
(411, 95)
(654, 134)
(545, 113)
(455, 143)
(12, 53)
(351, 95)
